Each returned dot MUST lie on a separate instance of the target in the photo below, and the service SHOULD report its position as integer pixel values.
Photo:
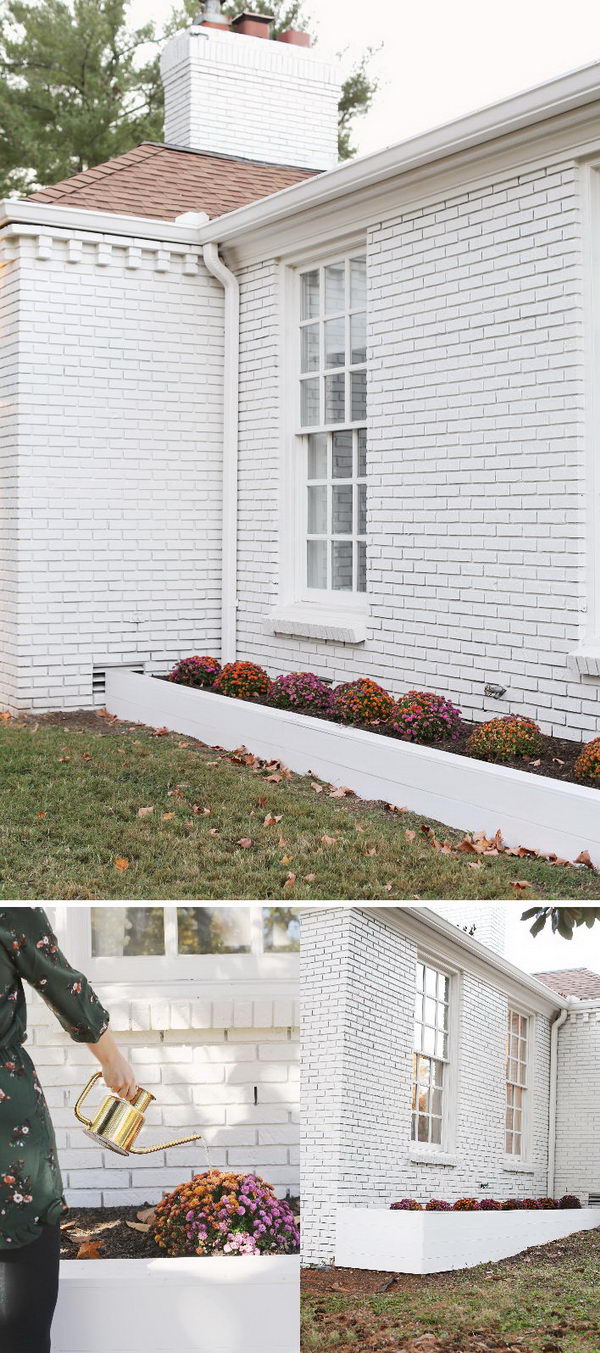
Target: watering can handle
(87, 1122)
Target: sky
(547, 952)
(440, 60)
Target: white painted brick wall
(358, 983)
(119, 405)
(238, 1085)
(477, 494)
(578, 1106)
(243, 96)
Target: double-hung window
(430, 1055)
(516, 1082)
(332, 432)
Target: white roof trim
(50, 216)
(533, 106)
(422, 920)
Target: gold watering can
(117, 1122)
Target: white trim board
(534, 811)
(222, 1304)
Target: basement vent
(99, 675)
(594, 1200)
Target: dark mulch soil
(106, 1226)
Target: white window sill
(315, 622)
(586, 661)
(517, 1166)
(423, 1157)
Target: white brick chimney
(234, 93)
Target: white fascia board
(15, 214)
(528, 109)
(423, 925)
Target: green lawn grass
(71, 792)
(544, 1301)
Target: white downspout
(558, 1023)
(229, 530)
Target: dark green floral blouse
(31, 1192)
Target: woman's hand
(117, 1074)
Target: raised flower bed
(222, 1304)
(541, 813)
(230, 1283)
(406, 1241)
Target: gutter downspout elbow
(229, 529)
(558, 1023)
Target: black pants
(28, 1292)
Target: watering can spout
(117, 1122)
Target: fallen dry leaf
(520, 885)
(309, 878)
(158, 733)
(5, 715)
(137, 1225)
(90, 1249)
(245, 842)
(584, 858)
(41, 814)
(167, 817)
(317, 788)
(146, 1214)
(391, 808)
(287, 859)
(274, 779)
(371, 850)
(121, 863)
(271, 821)
(328, 840)
(213, 831)
(262, 801)
(340, 793)
(409, 835)
(290, 881)
(145, 812)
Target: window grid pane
(516, 1081)
(333, 388)
(336, 511)
(430, 1053)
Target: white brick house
(214, 1036)
(349, 423)
(400, 1008)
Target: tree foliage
(73, 89)
(562, 920)
(79, 85)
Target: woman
(31, 1197)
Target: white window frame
(433, 1150)
(522, 1157)
(75, 929)
(295, 600)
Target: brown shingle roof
(580, 982)
(162, 182)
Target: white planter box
(433, 1242)
(225, 1304)
(530, 810)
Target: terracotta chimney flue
(252, 25)
(296, 36)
